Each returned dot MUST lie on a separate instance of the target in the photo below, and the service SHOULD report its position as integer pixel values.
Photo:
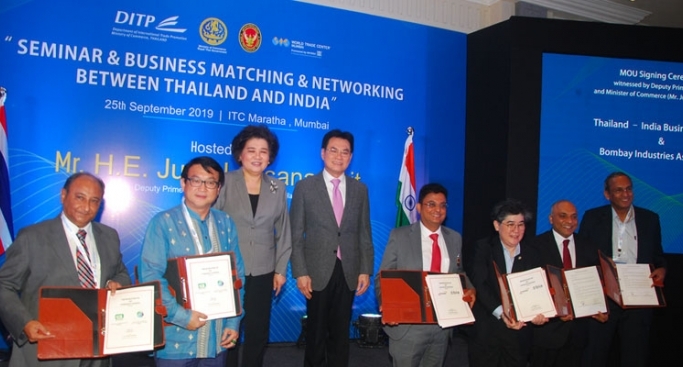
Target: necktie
(85, 274)
(337, 206)
(436, 254)
(566, 257)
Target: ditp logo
(145, 20)
(213, 31)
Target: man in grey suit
(412, 248)
(332, 252)
(45, 254)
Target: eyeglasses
(344, 153)
(196, 182)
(512, 225)
(433, 205)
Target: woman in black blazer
(498, 341)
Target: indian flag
(405, 194)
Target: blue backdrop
(130, 90)
(600, 115)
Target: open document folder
(630, 285)
(206, 283)
(91, 323)
(418, 297)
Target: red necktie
(566, 257)
(85, 274)
(436, 254)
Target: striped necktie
(85, 274)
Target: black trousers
(258, 300)
(327, 325)
(632, 326)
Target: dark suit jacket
(596, 226)
(483, 277)
(556, 332)
(316, 235)
(40, 256)
(265, 240)
(404, 252)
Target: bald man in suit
(45, 254)
(332, 253)
(561, 342)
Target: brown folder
(176, 275)
(611, 286)
(76, 317)
(405, 297)
(559, 291)
(508, 300)
(505, 297)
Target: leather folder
(405, 297)
(559, 291)
(76, 317)
(611, 286)
(176, 275)
(510, 309)
(505, 297)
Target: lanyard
(193, 231)
(621, 226)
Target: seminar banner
(131, 90)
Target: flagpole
(405, 193)
(5, 208)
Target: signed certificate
(636, 285)
(530, 294)
(210, 286)
(129, 320)
(446, 293)
(585, 290)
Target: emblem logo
(250, 37)
(213, 31)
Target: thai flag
(5, 208)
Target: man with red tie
(561, 341)
(429, 246)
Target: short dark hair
(73, 178)
(615, 175)
(336, 133)
(255, 132)
(206, 163)
(432, 188)
(510, 207)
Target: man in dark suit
(629, 235)
(561, 341)
(332, 252)
(411, 248)
(499, 341)
(47, 254)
